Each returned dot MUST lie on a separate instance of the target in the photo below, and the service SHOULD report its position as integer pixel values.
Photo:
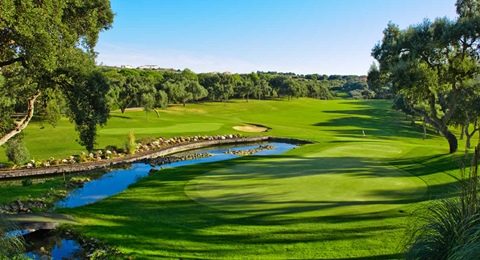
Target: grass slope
(347, 196)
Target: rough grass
(347, 196)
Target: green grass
(346, 196)
(13, 189)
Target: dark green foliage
(11, 247)
(27, 182)
(450, 228)
(431, 64)
(17, 151)
(39, 43)
(85, 89)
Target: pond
(118, 180)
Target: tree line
(152, 89)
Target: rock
(250, 151)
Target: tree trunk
(156, 112)
(424, 129)
(412, 120)
(470, 135)
(22, 123)
(122, 109)
(452, 140)
(462, 132)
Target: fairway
(184, 128)
(320, 184)
(347, 195)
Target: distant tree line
(153, 89)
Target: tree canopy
(430, 64)
(42, 46)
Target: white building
(148, 67)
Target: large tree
(38, 42)
(429, 64)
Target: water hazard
(116, 181)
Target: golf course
(349, 195)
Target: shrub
(450, 228)
(27, 182)
(131, 145)
(16, 151)
(11, 247)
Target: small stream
(118, 180)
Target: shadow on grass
(155, 218)
(119, 116)
(376, 119)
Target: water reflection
(44, 244)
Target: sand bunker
(251, 128)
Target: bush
(131, 145)
(27, 182)
(450, 228)
(11, 247)
(16, 151)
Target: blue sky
(241, 36)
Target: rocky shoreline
(250, 151)
(158, 161)
(153, 149)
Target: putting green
(321, 184)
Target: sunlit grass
(346, 196)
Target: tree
(467, 113)
(148, 102)
(85, 89)
(429, 64)
(246, 88)
(198, 91)
(17, 151)
(161, 101)
(37, 38)
(377, 83)
(263, 89)
(318, 91)
(190, 75)
(177, 92)
(146, 94)
(124, 90)
(293, 88)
